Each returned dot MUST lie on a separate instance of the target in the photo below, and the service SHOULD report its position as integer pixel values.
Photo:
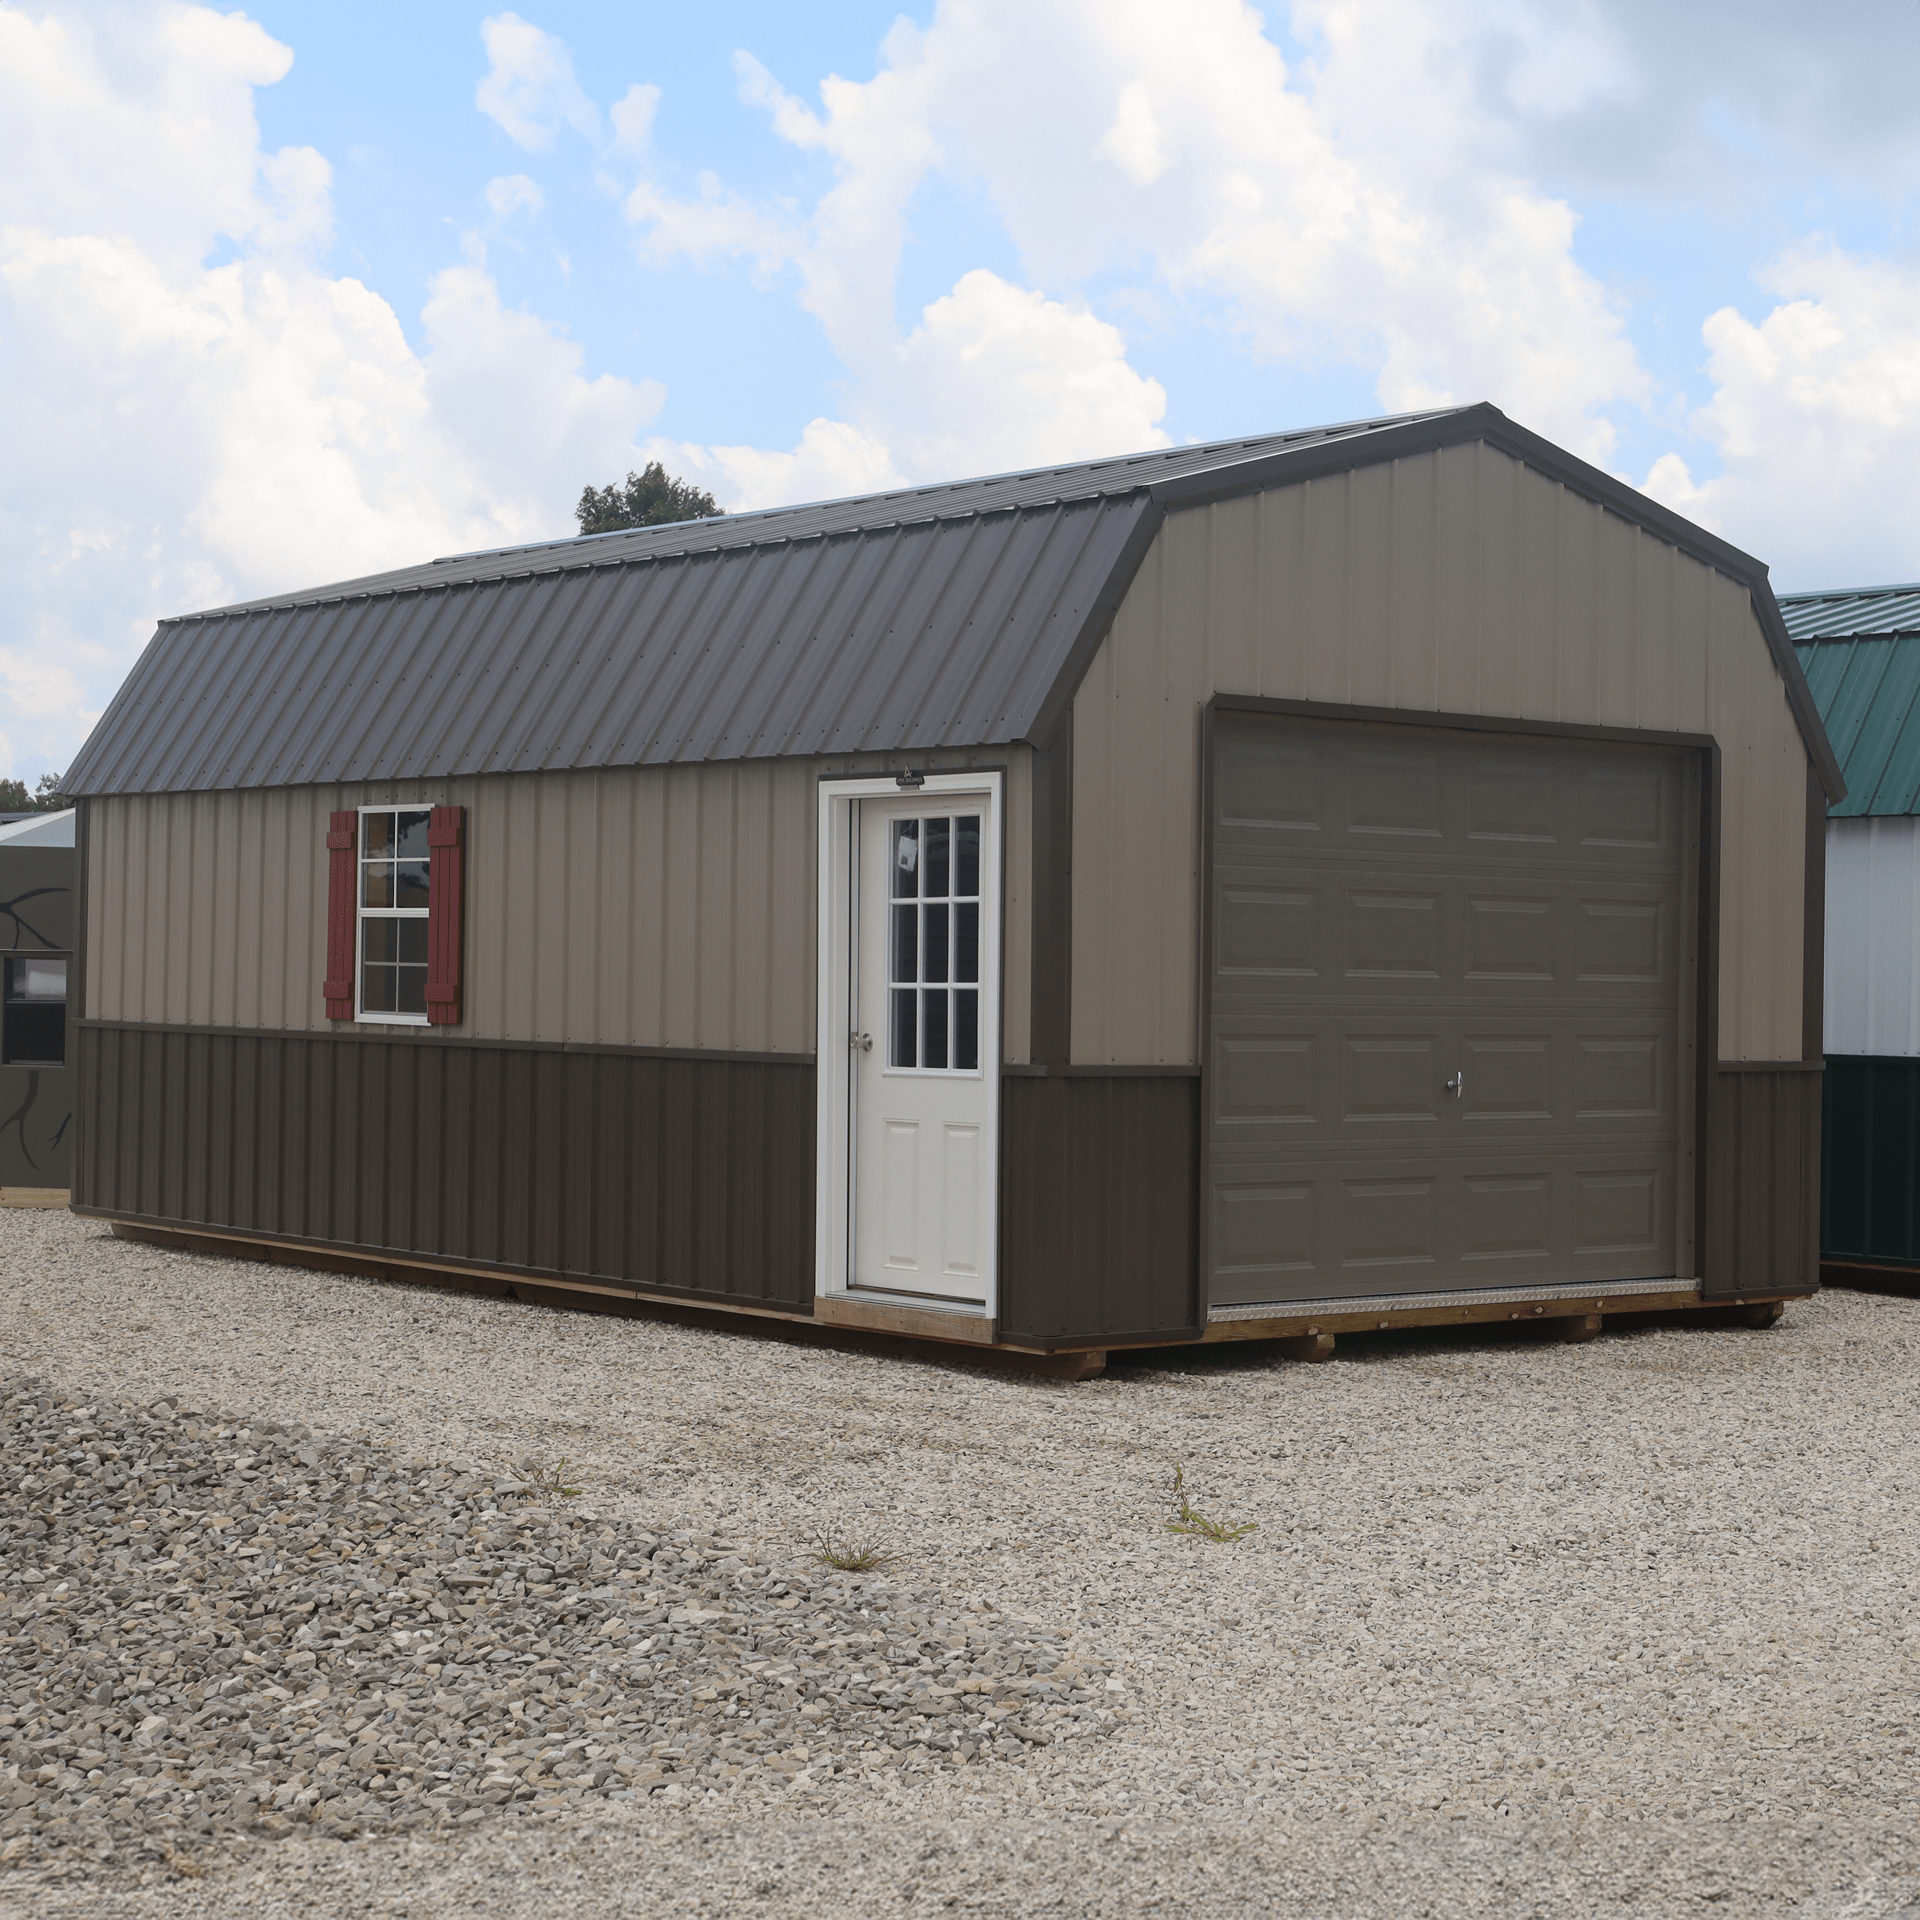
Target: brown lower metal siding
(693, 1175)
(1099, 1207)
(1763, 1181)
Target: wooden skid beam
(1515, 1312)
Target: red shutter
(343, 832)
(444, 876)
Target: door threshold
(925, 1319)
(1602, 1293)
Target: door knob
(864, 1041)
(1457, 1085)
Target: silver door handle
(864, 1041)
(1457, 1085)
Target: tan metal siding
(1459, 581)
(664, 906)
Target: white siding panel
(1873, 937)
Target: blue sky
(296, 293)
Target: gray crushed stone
(1623, 1628)
(213, 1628)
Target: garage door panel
(1266, 1081)
(1512, 798)
(1263, 1230)
(1509, 1077)
(1391, 1077)
(1508, 940)
(1506, 1218)
(1621, 942)
(1622, 1077)
(1618, 1211)
(1628, 805)
(1268, 930)
(1273, 783)
(1395, 789)
(1393, 936)
(1509, 918)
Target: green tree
(653, 498)
(45, 798)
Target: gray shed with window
(1250, 890)
(36, 945)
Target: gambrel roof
(954, 615)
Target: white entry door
(923, 1060)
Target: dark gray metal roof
(957, 499)
(960, 615)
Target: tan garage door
(1446, 1046)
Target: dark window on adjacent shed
(33, 1018)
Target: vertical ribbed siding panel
(716, 867)
(687, 1174)
(654, 907)
(1460, 580)
(1872, 997)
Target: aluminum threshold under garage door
(1474, 1297)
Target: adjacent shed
(37, 902)
(1249, 890)
(1861, 652)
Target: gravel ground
(1620, 1628)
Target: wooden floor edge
(912, 1334)
(1518, 1312)
(634, 1302)
(879, 1316)
(33, 1197)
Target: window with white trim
(933, 944)
(393, 915)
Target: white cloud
(998, 377)
(513, 193)
(1345, 212)
(1815, 417)
(530, 89)
(995, 378)
(1134, 142)
(179, 434)
(632, 117)
(831, 461)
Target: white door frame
(839, 907)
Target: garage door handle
(1457, 1085)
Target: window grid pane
(394, 870)
(933, 944)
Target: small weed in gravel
(541, 1478)
(1187, 1518)
(848, 1552)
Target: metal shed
(1243, 891)
(36, 947)
(1861, 652)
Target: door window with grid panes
(933, 944)
(393, 914)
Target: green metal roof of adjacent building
(1860, 650)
